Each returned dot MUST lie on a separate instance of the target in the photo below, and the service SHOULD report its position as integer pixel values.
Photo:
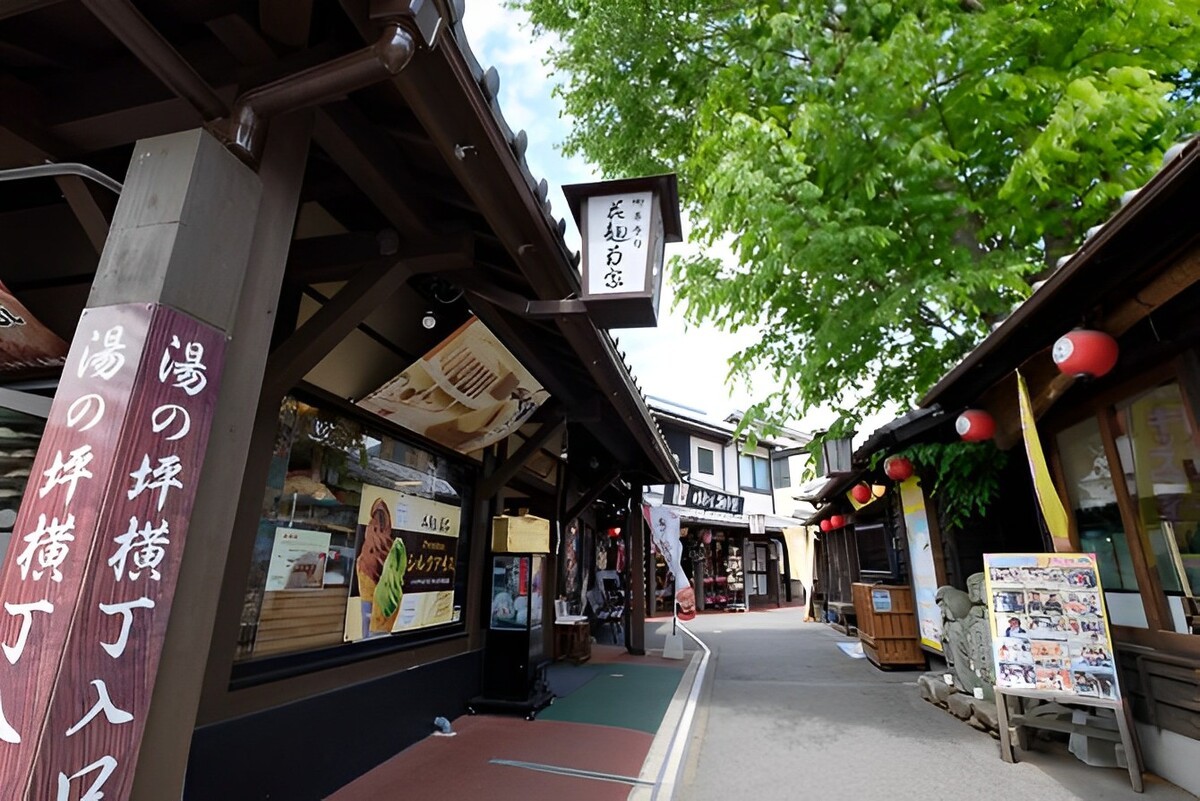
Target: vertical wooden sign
(98, 544)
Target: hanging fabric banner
(1049, 500)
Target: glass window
(361, 536)
(20, 435)
(782, 473)
(1094, 503)
(1160, 456)
(756, 473)
(704, 461)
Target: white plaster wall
(1174, 757)
(785, 497)
(718, 477)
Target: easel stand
(1038, 710)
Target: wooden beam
(371, 161)
(313, 340)
(589, 497)
(507, 469)
(1179, 276)
(286, 21)
(86, 208)
(11, 8)
(339, 257)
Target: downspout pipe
(316, 85)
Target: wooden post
(100, 540)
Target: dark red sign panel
(95, 554)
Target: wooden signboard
(95, 553)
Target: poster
(26, 344)
(467, 393)
(1051, 632)
(405, 556)
(920, 558)
(516, 592)
(298, 559)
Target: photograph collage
(1050, 631)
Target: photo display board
(1050, 628)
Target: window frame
(276, 667)
(712, 461)
(753, 487)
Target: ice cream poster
(1051, 633)
(298, 560)
(467, 393)
(406, 549)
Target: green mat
(629, 696)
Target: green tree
(890, 176)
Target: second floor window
(781, 472)
(755, 473)
(704, 461)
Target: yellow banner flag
(1048, 497)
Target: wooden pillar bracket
(591, 495)
(492, 483)
(373, 285)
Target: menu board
(297, 560)
(1051, 631)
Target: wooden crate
(525, 534)
(887, 625)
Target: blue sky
(676, 361)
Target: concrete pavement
(784, 714)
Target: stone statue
(966, 636)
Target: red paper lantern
(860, 493)
(975, 425)
(1085, 354)
(898, 468)
(837, 521)
(826, 526)
(614, 532)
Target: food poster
(1051, 631)
(404, 561)
(298, 559)
(467, 393)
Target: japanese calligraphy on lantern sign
(619, 237)
(98, 545)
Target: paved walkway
(783, 714)
(786, 715)
(604, 737)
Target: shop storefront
(1122, 444)
(341, 286)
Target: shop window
(1094, 503)
(704, 461)
(1160, 457)
(872, 541)
(20, 435)
(755, 473)
(781, 471)
(362, 536)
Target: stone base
(979, 713)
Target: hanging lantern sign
(625, 225)
(975, 425)
(837, 521)
(898, 468)
(861, 492)
(1085, 354)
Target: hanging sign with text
(96, 550)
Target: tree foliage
(890, 176)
